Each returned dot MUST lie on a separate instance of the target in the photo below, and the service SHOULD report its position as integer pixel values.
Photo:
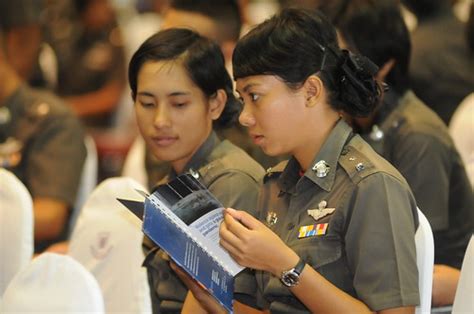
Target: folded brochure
(182, 217)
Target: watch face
(290, 278)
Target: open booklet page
(182, 217)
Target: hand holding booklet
(182, 217)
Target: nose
(162, 117)
(246, 117)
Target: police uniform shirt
(415, 140)
(234, 179)
(363, 243)
(50, 141)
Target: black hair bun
(359, 92)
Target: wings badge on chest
(321, 211)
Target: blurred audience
(41, 140)
(441, 68)
(462, 122)
(411, 136)
(91, 75)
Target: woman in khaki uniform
(181, 90)
(336, 223)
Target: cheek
(144, 119)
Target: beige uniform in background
(51, 151)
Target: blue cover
(179, 244)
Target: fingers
(185, 277)
(244, 218)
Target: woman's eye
(253, 96)
(146, 104)
(180, 105)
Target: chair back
(464, 298)
(134, 165)
(53, 283)
(107, 241)
(16, 227)
(88, 178)
(425, 261)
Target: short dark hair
(426, 8)
(296, 44)
(225, 13)
(202, 59)
(376, 29)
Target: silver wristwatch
(291, 277)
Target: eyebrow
(247, 87)
(173, 94)
(179, 94)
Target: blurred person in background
(41, 140)
(461, 126)
(92, 76)
(411, 136)
(441, 67)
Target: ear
(217, 103)
(313, 88)
(385, 70)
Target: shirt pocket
(319, 251)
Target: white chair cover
(107, 241)
(53, 283)
(88, 180)
(134, 165)
(425, 260)
(16, 227)
(464, 299)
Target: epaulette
(209, 172)
(274, 172)
(356, 164)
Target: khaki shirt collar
(200, 158)
(329, 153)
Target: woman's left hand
(252, 244)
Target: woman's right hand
(250, 243)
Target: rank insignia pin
(321, 168)
(272, 218)
(320, 212)
(312, 230)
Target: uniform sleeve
(236, 189)
(240, 191)
(380, 244)
(424, 161)
(56, 160)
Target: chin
(272, 152)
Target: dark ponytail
(298, 43)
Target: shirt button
(290, 226)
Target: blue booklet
(182, 217)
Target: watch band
(291, 277)
(299, 267)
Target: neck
(306, 153)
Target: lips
(257, 139)
(164, 140)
